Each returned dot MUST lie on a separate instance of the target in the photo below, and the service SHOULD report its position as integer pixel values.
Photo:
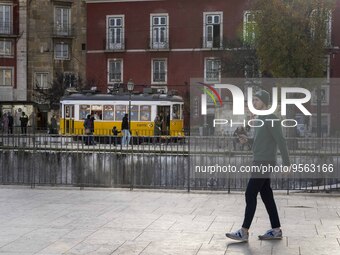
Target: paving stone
(45, 221)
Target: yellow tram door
(68, 119)
(164, 114)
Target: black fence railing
(161, 162)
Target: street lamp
(130, 86)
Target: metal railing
(161, 162)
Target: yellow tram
(109, 110)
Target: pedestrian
(236, 140)
(54, 125)
(88, 125)
(115, 135)
(158, 126)
(126, 130)
(5, 123)
(23, 123)
(266, 140)
(10, 123)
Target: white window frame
(4, 28)
(115, 45)
(210, 44)
(62, 29)
(36, 80)
(206, 66)
(160, 89)
(245, 27)
(165, 71)
(61, 57)
(328, 41)
(159, 44)
(5, 68)
(3, 52)
(109, 81)
(326, 88)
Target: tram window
(176, 112)
(145, 113)
(120, 110)
(84, 110)
(108, 112)
(134, 112)
(69, 111)
(97, 111)
(182, 108)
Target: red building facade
(164, 43)
(9, 32)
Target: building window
(6, 48)
(213, 31)
(212, 70)
(326, 29)
(41, 80)
(5, 19)
(115, 72)
(249, 27)
(62, 21)
(70, 79)
(159, 31)
(324, 95)
(159, 71)
(61, 51)
(6, 76)
(115, 32)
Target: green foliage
(291, 37)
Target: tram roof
(122, 97)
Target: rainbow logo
(211, 91)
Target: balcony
(213, 43)
(158, 45)
(62, 31)
(117, 45)
(6, 30)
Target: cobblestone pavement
(110, 221)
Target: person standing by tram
(126, 130)
(89, 128)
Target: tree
(291, 37)
(63, 84)
(291, 41)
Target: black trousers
(262, 185)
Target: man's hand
(242, 138)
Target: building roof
(122, 97)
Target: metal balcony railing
(115, 44)
(155, 44)
(63, 30)
(213, 42)
(6, 28)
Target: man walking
(10, 123)
(266, 140)
(125, 130)
(23, 123)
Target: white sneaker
(239, 235)
(271, 234)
